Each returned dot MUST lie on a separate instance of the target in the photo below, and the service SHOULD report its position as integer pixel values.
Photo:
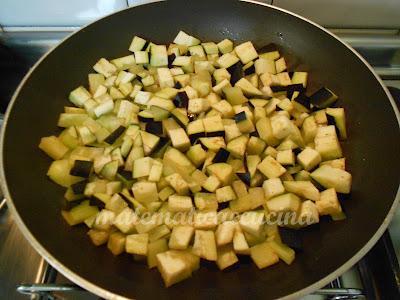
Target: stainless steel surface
(347, 14)
(381, 48)
(56, 12)
(18, 260)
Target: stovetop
(376, 276)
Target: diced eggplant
(213, 143)
(335, 178)
(236, 72)
(245, 177)
(99, 200)
(154, 128)
(110, 170)
(271, 47)
(171, 59)
(127, 175)
(177, 85)
(336, 117)
(161, 146)
(221, 156)
(195, 130)
(240, 117)
(213, 126)
(82, 168)
(302, 102)
(246, 52)
(197, 155)
(181, 100)
(149, 141)
(156, 113)
(79, 187)
(289, 89)
(323, 98)
(115, 135)
(180, 117)
(70, 204)
(249, 69)
(237, 146)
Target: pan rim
(74, 277)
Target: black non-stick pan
(372, 151)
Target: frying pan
(372, 151)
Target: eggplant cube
(237, 146)
(181, 237)
(263, 255)
(263, 65)
(213, 126)
(179, 139)
(309, 213)
(177, 203)
(205, 220)
(212, 183)
(328, 203)
(82, 168)
(196, 154)
(309, 158)
(225, 194)
(137, 243)
(98, 237)
(303, 189)
(222, 171)
(226, 257)
(165, 78)
(227, 60)
(116, 204)
(271, 168)
(335, 178)
(240, 244)
(155, 171)
(204, 245)
(273, 187)
(327, 144)
(206, 201)
(104, 220)
(142, 167)
(252, 222)
(178, 183)
(173, 267)
(280, 65)
(246, 52)
(126, 221)
(116, 243)
(285, 157)
(224, 233)
(225, 46)
(145, 192)
(158, 246)
(281, 126)
(284, 203)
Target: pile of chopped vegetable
(204, 129)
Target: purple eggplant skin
(245, 177)
(236, 72)
(240, 117)
(181, 100)
(155, 128)
(81, 168)
(115, 135)
(221, 156)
